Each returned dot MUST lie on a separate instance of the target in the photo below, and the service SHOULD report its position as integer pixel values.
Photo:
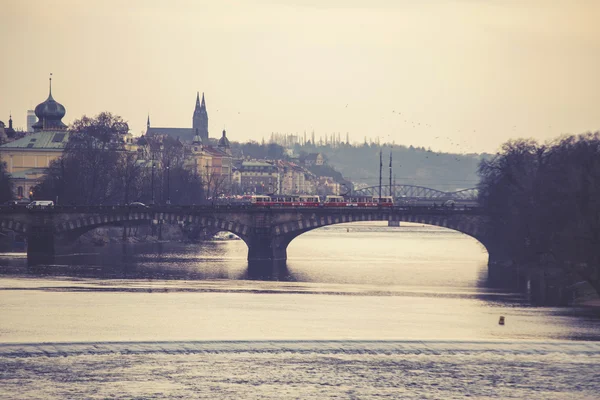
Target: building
(213, 164)
(314, 159)
(257, 177)
(29, 157)
(295, 179)
(186, 135)
(31, 119)
(326, 185)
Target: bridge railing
(117, 209)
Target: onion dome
(224, 142)
(49, 114)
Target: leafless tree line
(544, 203)
(96, 168)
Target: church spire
(50, 92)
(148, 121)
(200, 118)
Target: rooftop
(40, 140)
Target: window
(58, 137)
(20, 191)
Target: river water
(361, 310)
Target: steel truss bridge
(418, 192)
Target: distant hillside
(414, 166)
(329, 170)
(360, 164)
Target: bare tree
(6, 186)
(87, 172)
(544, 203)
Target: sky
(450, 75)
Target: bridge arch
(80, 225)
(286, 232)
(13, 225)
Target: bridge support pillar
(40, 245)
(265, 248)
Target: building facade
(29, 157)
(295, 179)
(31, 120)
(213, 164)
(257, 177)
(314, 159)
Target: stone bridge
(266, 231)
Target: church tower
(200, 119)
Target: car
(137, 204)
(41, 204)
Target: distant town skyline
(453, 75)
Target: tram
(315, 201)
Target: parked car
(41, 204)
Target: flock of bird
(418, 124)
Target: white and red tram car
(384, 201)
(295, 200)
(286, 201)
(358, 201)
(314, 201)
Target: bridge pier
(40, 245)
(267, 257)
(265, 248)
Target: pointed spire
(50, 95)
(10, 121)
(197, 139)
(198, 99)
(203, 103)
(148, 122)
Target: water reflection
(408, 282)
(420, 260)
(348, 254)
(433, 259)
(271, 271)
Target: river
(360, 310)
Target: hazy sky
(472, 73)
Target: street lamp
(152, 185)
(168, 182)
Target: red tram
(285, 201)
(315, 201)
